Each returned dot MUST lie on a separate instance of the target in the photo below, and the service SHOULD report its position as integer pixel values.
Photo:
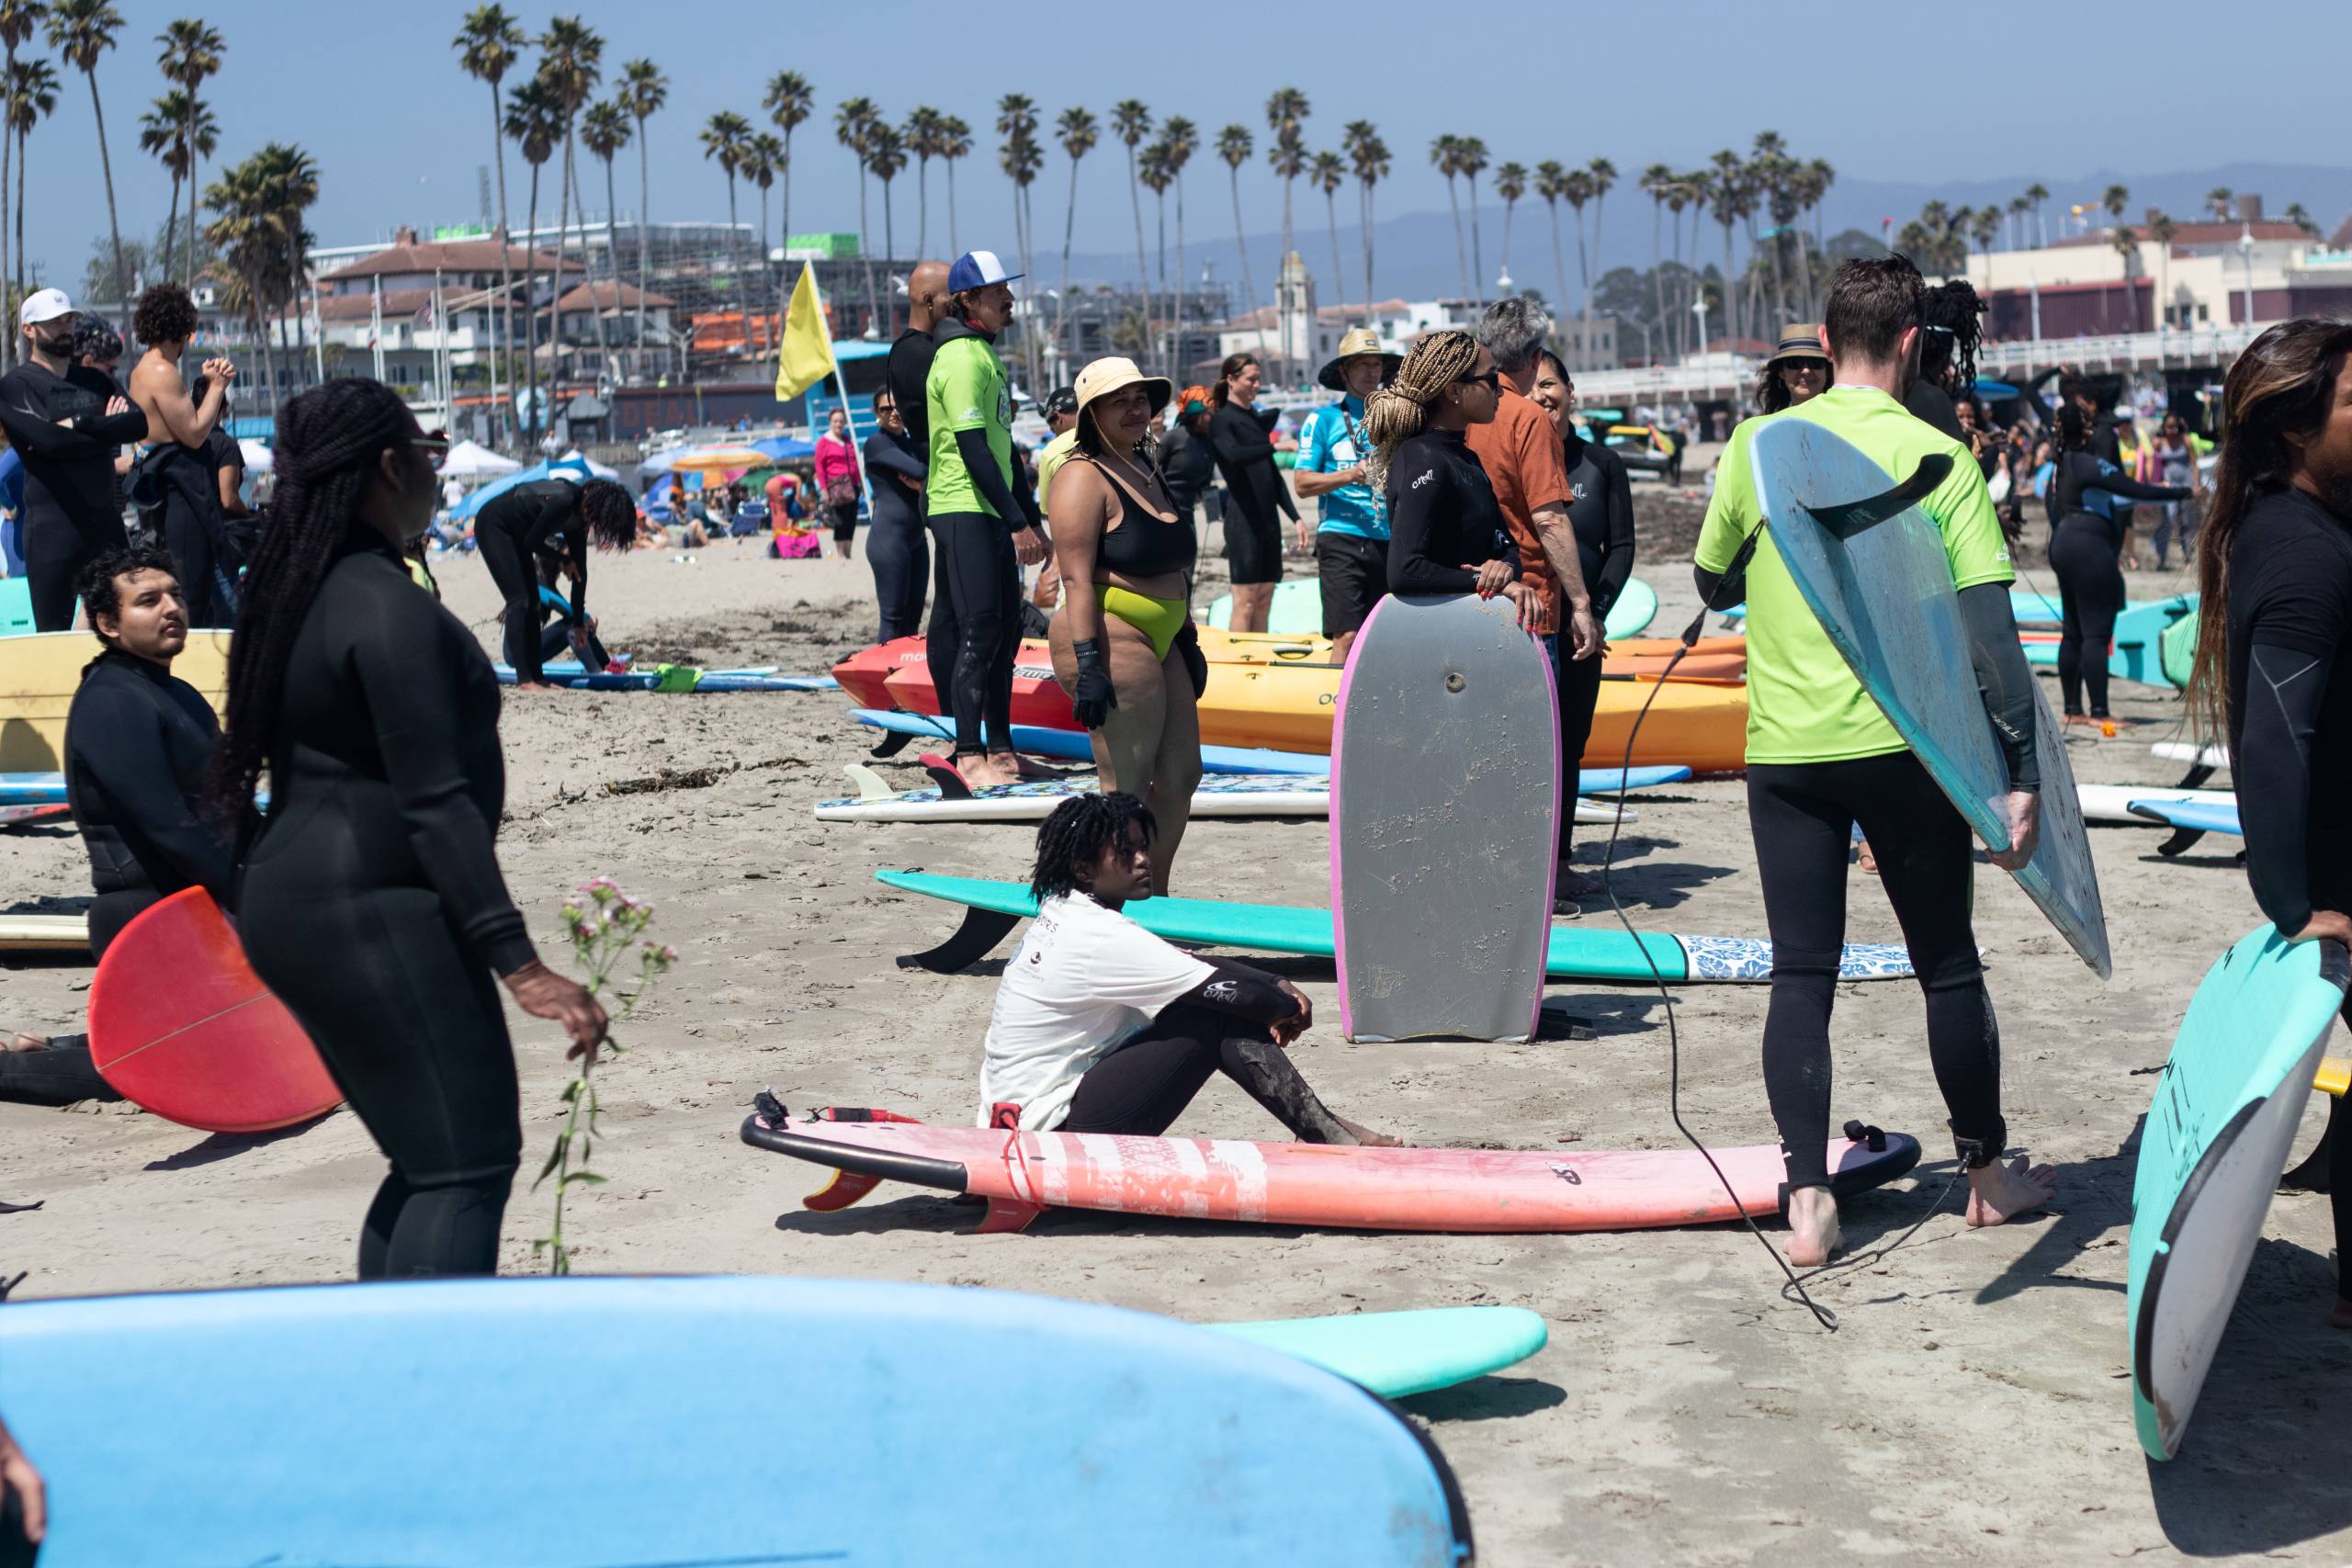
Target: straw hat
(1354, 343)
(1114, 374)
(1799, 340)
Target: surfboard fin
(838, 1193)
(871, 785)
(1007, 1214)
(890, 745)
(1851, 517)
(951, 784)
(973, 940)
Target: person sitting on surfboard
(1101, 1027)
(1822, 756)
(2273, 565)
(138, 740)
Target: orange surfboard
(181, 1024)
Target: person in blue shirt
(1351, 540)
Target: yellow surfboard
(39, 673)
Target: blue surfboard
(1884, 593)
(2218, 817)
(2211, 1148)
(31, 789)
(765, 1421)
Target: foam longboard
(2200, 816)
(1218, 795)
(1884, 593)
(1279, 1462)
(1398, 1353)
(44, 933)
(2113, 803)
(2211, 1148)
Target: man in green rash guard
(983, 519)
(1821, 756)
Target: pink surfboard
(181, 1024)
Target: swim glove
(1092, 698)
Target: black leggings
(189, 541)
(1801, 814)
(518, 583)
(901, 557)
(2091, 593)
(55, 552)
(1145, 1085)
(1579, 683)
(975, 627)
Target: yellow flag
(806, 355)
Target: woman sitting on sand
(1101, 1027)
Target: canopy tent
(471, 459)
(570, 466)
(258, 458)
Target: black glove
(1093, 699)
(1196, 663)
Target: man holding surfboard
(1822, 756)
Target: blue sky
(1885, 91)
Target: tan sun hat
(1800, 339)
(1355, 342)
(1113, 375)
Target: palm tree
(1178, 140)
(1328, 173)
(17, 19)
(2126, 241)
(1076, 131)
(1604, 177)
(1768, 169)
(1369, 155)
(886, 159)
(1285, 114)
(925, 127)
(80, 30)
(1131, 122)
(1470, 155)
(1153, 174)
(1723, 197)
(2019, 208)
(725, 138)
(570, 60)
(1233, 145)
(1551, 184)
(1575, 190)
(2217, 202)
(2115, 198)
(489, 42)
(31, 97)
(853, 123)
(164, 135)
(1818, 178)
(643, 91)
(763, 158)
(1510, 183)
(2035, 195)
(191, 56)
(290, 177)
(2161, 230)
(1445, 156)
(534, 119)
(605, 129)
(2297, 214)
(247, 232)
(954, 143)
(1023, 161)
(789, 101)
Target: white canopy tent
(472, 460)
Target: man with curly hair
(176, 483)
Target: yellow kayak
(40, 673)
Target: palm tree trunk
(1559, 262)
(1331, 221)
(1241, 242)
(871, 309)
(784, 216)
(891, 249)
(1596, 256)
(1461, 246)
(1731, 294)
(1584, 268)
(187, 140)
(761, 305)
(172, 225)
(922, 205)
(1477, 247)
(1363, 233)
(505, 348)
(114, 225)
(1143, 272)
(1061, 300)
(7, 151)
(596, 312)
(563, 242)
(1176, 304)
(644, 198)
(20, 214)
(530, 417)
(1160, 212)
(951, 208)
(1658, 261)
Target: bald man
(910, 365)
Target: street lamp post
(1699, 307)
(2245, 250)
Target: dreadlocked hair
(610, 514)
(1397, 412)
(328, 441)
(1076, 834)
(1952, 313)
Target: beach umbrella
(716, 459)
(570, 466)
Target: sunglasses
(434, 447)
(1492, 380)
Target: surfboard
(674, 678)
(2140, 630)
(41, 671)
(2113, 803)
(181, 1024)
(1445, 803)
(26, 815)
(2199, 817)
(44, 933)
(2194, 755)
(15, 606)
(1478, 1191)
(2177, 651)
(1395, 1354)
(1140, 1439)
(1297, 609)
(2216, 1137)
(32, 789)
(1576, 953)
(1883, 590)
(1071, 745)
(1635, 608)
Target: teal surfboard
(1298, 610)
(1576, 953)
(1397, 1353)
(1882, 588)
(1635, 608)
(2211, 1148)
(2140, 631)
(15, 605)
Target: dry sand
(1973, 1406)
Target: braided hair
(1077, 833)
(328, 441)
(1397, 411)
(1950, 318)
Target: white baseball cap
(44, 305)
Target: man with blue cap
(984, 520)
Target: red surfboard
(181, 1024)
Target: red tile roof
(409, 255)
(610, 292)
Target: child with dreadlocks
(1101, 1027)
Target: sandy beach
(1972, 1406)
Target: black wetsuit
(1257, 498)
(518, 527)
(1186, 466)
(373, 905)
(177, 491)
(1601, 509)
(895, 546)
(1442, 513)
(2290, 733)
(908, 373)
(73, 505)
(2085, 545)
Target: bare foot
(980, 770)
(1813, 1234)
(2001, 1191)
(1025, 767)
(25, 1043)
(533, 686)
(1366, 1136)
(1863, 857)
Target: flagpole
(841, 381)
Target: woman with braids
(1797, 372)
(537, 530)
(372, 902)
(1101, 1027)
(1446, 529)
(2274, 566)
(1124, 645)
(2087, 542)
(1950, 332)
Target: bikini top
(1143, 543)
